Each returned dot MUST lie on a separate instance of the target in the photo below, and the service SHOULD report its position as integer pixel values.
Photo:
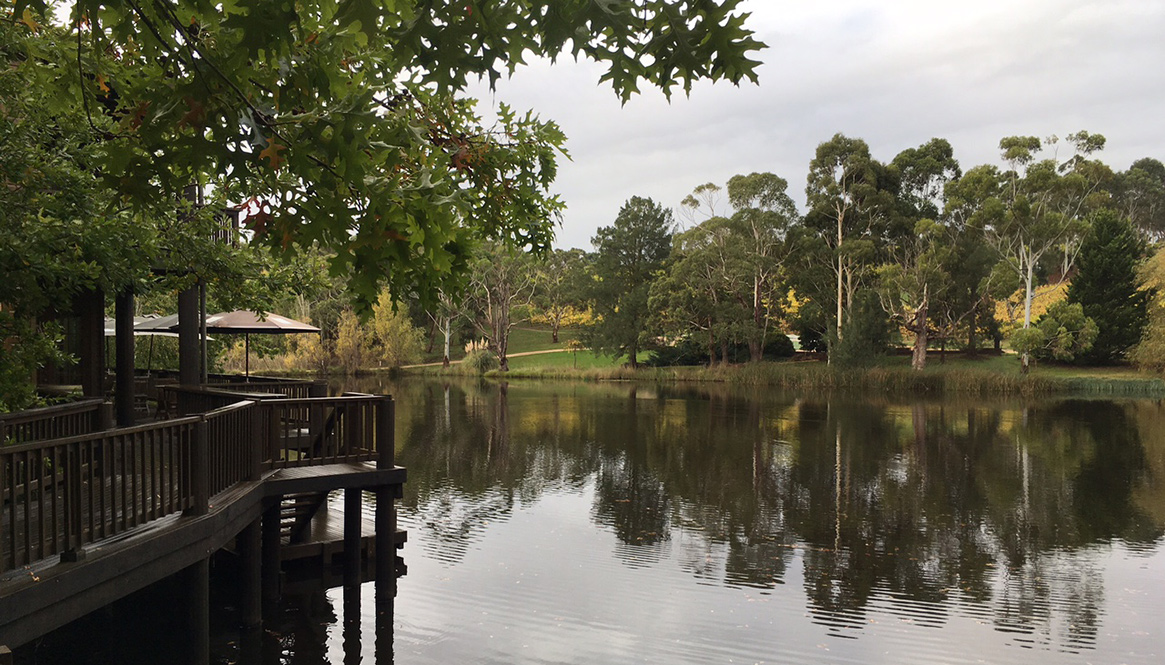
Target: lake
(583, 523)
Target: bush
(865, 333)
(1062, 333)
(687, 352)
(480, 361)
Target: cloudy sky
(895, 73)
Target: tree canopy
(340, 120)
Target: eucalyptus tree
(500, 291)
(627, 256)
(850, 203)
(764, 213)
(1038, 209)
(908, 285)
(1140, 196)
(694, 292)
(559, 286)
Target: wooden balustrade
(61, 494)
(331, 430)
(55, 422)
(57, 496)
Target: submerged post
(272, 560)
(197, 583)
(385, 511)
(352, 529)
(251, 548)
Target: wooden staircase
(296, 512)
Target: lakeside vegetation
(986, 374)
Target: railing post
(103, 417)
(199, 470)
(273, 433)
(258, 440)
(385, 433)
(74, 520)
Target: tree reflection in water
(918, 507)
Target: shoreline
(938, 380)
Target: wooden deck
(88, 519)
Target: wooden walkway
(90, 518)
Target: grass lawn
(525, 339)
(567, 360)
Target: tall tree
(1107, 287)
(559, 285)
(1040, 208)
(501, 288)
(1140, 196)
(694, 293)
(764, 212)
(916, 277)
(848, 200)
(627, 256)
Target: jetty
(91, 512)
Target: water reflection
(919, 509)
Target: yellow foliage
(1150, 352)
(571, 318)
(1009, 312)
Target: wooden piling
(272, 562)
(197, 584)
(251, 551)
(352, 523)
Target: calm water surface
(592, 524)
(582, 523)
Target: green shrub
(480, 361)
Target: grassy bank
(986, 376)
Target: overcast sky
(893, 72)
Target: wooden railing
(330, 430)
(62, 494)
(293, 388)
(57, 496)
(55, 422)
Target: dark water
(584, 523)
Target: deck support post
(251, 549)
(198, 608)
(272, 560)
(90, 309)
(352, 524)
(124, 341)
(385, 517)
(351, 631)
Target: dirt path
(511, 355)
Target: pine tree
(1106, 286)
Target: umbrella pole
(247, 353)
(150, 357)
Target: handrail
(57, 496)
(57, 421)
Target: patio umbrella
(247, 323)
